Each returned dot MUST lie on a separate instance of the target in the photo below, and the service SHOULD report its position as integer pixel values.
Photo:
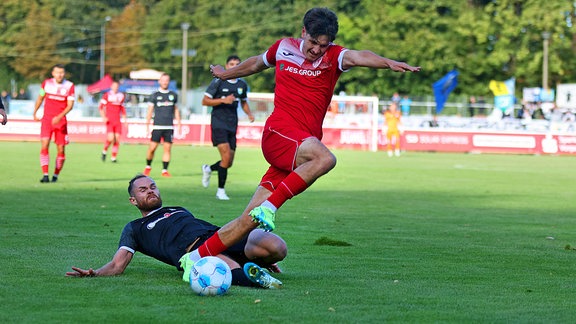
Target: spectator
(395, 98)
(472, 106)
(405, 103)
(482, 106)
(22, 95)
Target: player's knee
(226, 164)
(328, 161)
(280, 250)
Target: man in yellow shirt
(392, 118)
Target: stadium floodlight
(103, 45)
(546, 40)
(185, 27)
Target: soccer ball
(210, 276)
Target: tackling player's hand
(81, 273)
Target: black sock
(165, 165)
(215, 166)
(222, 175)
(239, 278)
(148, 162)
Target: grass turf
(421, 238)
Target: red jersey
(56, 96)
(303, 89)
(113, 104)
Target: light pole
(103, 45)
(546, 37)
(185, 27)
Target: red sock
(106, 146)
(290, 187)
(212, 246)
(44, 160)
(115, 148)
(59, 163)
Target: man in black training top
(167, 233)
(224, 96)
(163, 105)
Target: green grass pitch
(426, 237)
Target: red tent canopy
(101, 85)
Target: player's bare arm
(248, 67)
(207, 101)
(115, 267)
(59, 117)
(149, 117)
(4, 117)
(178, 119)
(365, 58)
(37, 106)
(247, 111)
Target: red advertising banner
(438, 140)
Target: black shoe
(54, 178)
(103, 157)
(114, 161)
(45, 179)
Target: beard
(151, 203)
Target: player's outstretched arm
(248, 67)
(367, 58)
(115, 267)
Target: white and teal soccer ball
(210, 276)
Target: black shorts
(166, 134)
(221, 135)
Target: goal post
(352, 113)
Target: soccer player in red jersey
(57, 94)
(307, 70)
(111, 109)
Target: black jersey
(165, 234)
(164, 102)
(226, 115)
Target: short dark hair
(131, 183)
(60, 66)
(233, 58)
(321, 21)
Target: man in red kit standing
(111, 109)
(307, 70)
(57, 94)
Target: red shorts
(280, 147)
(60, 132)
(115, 128)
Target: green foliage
(450, 238)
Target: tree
(123, 41)
(34, 46)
